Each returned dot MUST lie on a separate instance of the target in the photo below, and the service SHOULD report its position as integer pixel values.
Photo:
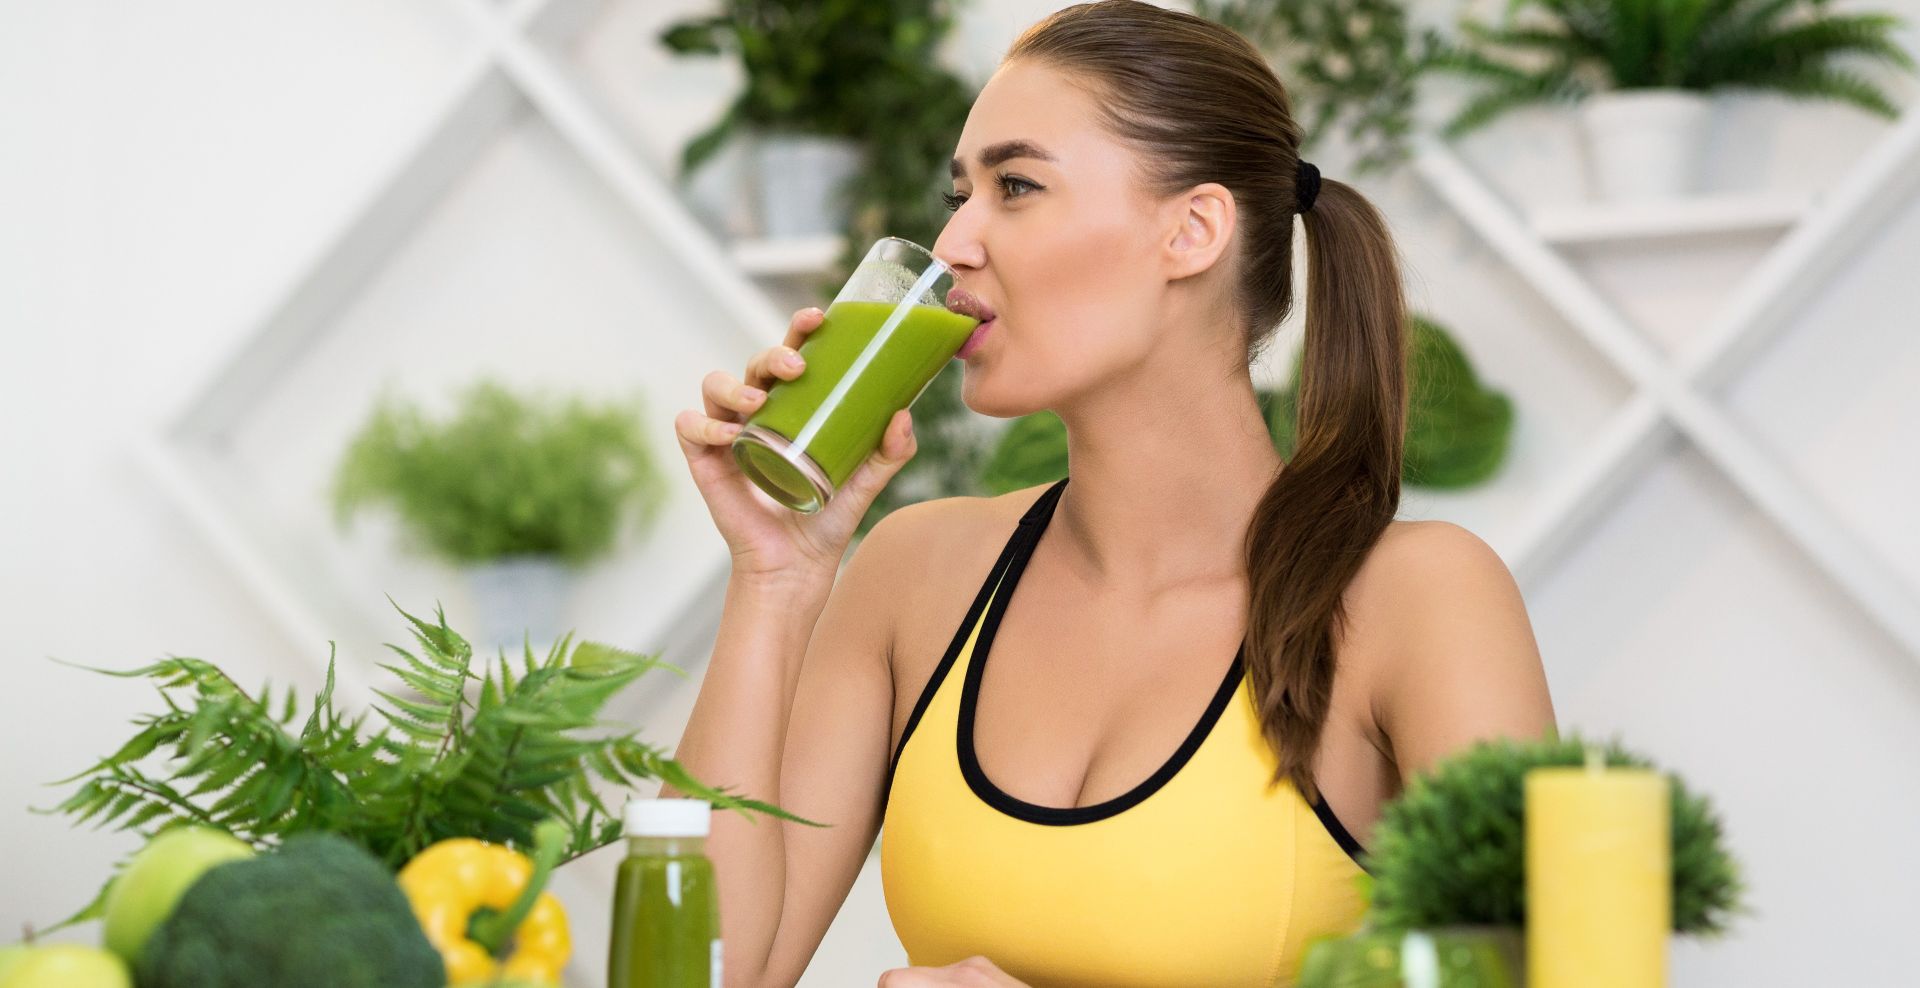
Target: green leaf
(93, 910)
(321, 701)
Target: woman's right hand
(767, 538)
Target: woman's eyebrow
(1003, 151)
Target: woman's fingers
(773, 365)
(696, 430)
(804, 322)
(783, 362)
(729, 400)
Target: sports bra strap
(1043, 505)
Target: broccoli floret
(320, 912)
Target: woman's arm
(1462, 661)
(796, 706)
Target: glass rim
(944, 266)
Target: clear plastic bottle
(666, 907)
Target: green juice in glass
(835, 412)
(666, 906)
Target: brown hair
(1198, 103)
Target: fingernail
(793, 360)
(730, 428)
(816, 310)
(753, 394)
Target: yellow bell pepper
(450, 882)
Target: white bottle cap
(659, 817)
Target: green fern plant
(1578, 47)
(507, 475)
(1450, 850)
(459, 752)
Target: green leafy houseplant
(1457, 436)
(843, 68)
(507, 476)
(467, 752)
(1449, 851)
(1579, 47)
(1458, 429)
(1354, 64)
(805, 62)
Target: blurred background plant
(1458, 429)
(520, 492)
(507, 475)
(1351, 67)
(1569, 50)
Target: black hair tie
(1306, 185)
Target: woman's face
(1061, 243)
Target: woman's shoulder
(1417, 569)
(940, 522)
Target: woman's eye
(1006, 182)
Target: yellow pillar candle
(1599, 849)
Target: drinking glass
(885, 336)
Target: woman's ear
(1202, 224)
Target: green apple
(11, 955)
(152, 883)
(66, 965)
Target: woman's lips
(973, 341)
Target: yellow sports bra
(1200, 875)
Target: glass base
(789, 477)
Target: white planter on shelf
(519, 599)
(1644, 143)
(797, 182)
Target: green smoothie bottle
(666, 907)
(884, 339)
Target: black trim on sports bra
(1339, 832)
(1013, 806)
(1006, 571)
(959, 641)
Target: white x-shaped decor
(1674, 394)
(509, 69)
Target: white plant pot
(714, 192)
(1644, 143)
(519, 599)
(797, 182)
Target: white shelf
(1658, 219)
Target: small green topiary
(1451, 849)
(507, 475)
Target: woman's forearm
(734, 739)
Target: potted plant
(518, 492)
(1642, 70)
(814, 71)
(1447, 869)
